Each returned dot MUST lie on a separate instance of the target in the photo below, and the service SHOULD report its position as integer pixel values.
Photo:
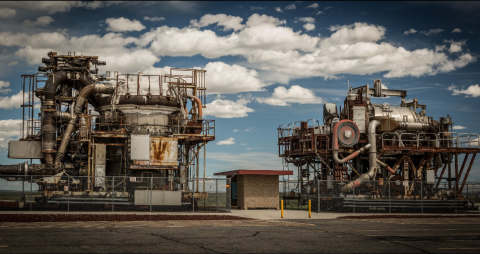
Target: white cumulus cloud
(432, 31)
(9, 129)
(11, 102)
(458, 127)
(227, 21)
(314, 6)
(455, 46)
(291, 7)
(296, 94)
(6, 13)
(228, 79)
(228, 109)
(4, 87)
(123, 25)
(457, 30)
(411, 31)
(278, 9)
(41, 21)
(230, 141)
(153, 19)
(471, 91)
(309, 26)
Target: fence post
(456, 184)
(353, 197)
(389, 197)
(151, 193)
(24, 196)
(281, 204)
(319, 193)
(309, 208)
(216, 194)
(113, 194)
(421, 194)
(31, 189)
(229, 199)
(68, 189)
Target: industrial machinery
(97, 133)
(368, 151)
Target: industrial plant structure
(368, 152)
(131, 126)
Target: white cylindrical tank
(397, 113)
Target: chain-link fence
(114, 193)
(380, 196)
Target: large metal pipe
(48, 110)
(78, 108)
(372, 157)
(423, 126)
(199, 105)
(386, 166)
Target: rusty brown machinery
(92, 127)
(369, 151)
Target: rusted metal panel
(163, 151)
(100, 162)
(141, 162)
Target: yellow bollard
(309, 208)
(282, 207)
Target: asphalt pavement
(268, 235)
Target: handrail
(469, 141)
(313, 122)
(290, 129)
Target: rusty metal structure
(90, 126)
(379, 150)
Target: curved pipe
(78, 108)
(386, 166)
(374, 124)
(199, 105)
(335, 146)
(48, 128)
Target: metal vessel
(367, 151)
(93, 127)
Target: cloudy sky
(268, 63)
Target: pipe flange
(347, 133)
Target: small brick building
(254, 188)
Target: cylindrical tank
(397, 113)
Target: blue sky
(268, 63)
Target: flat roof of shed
(254, 172)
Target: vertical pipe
(216, 194)
(281, 204)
